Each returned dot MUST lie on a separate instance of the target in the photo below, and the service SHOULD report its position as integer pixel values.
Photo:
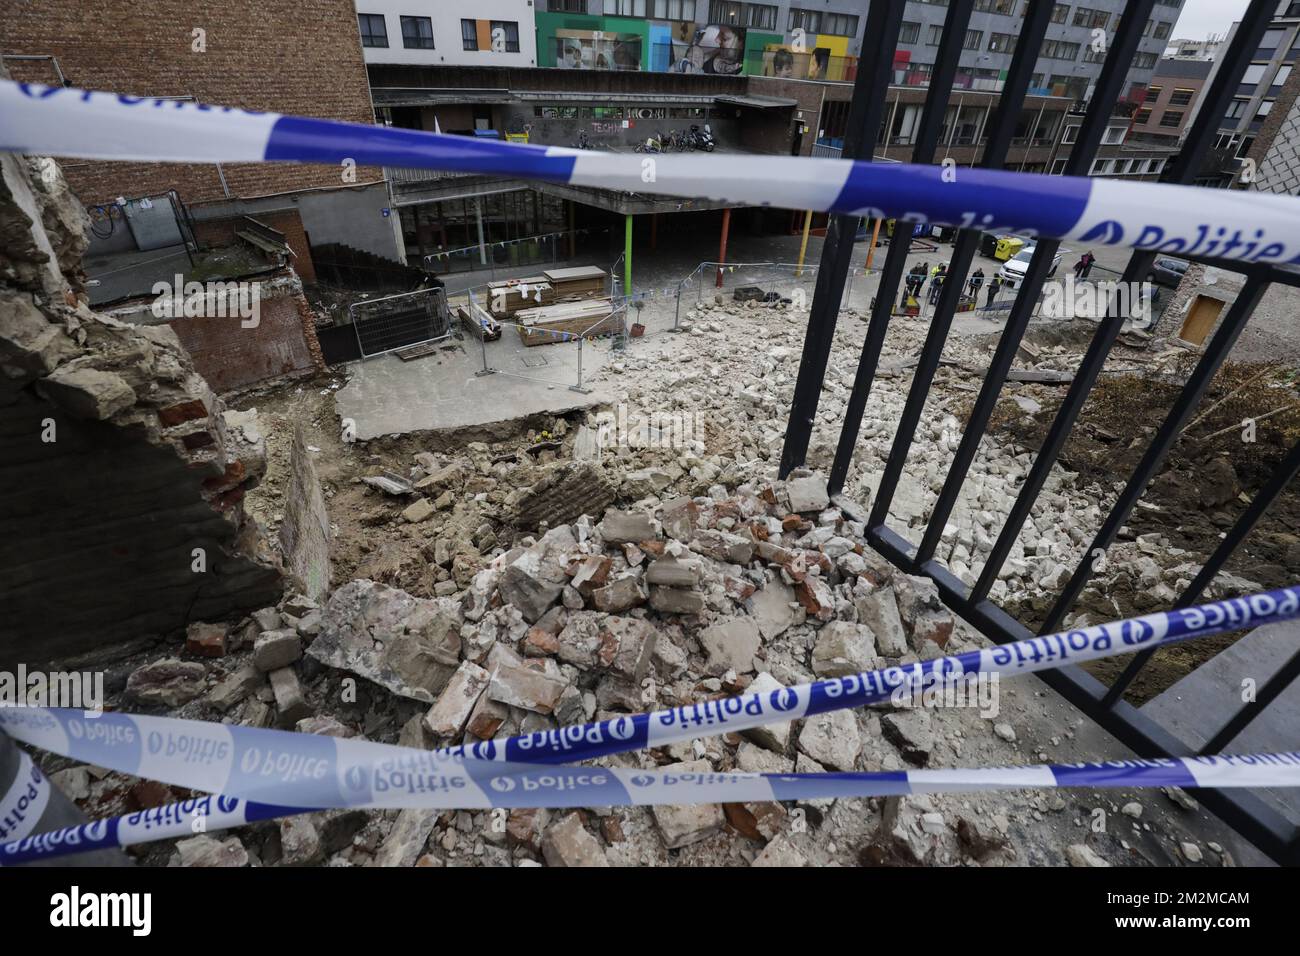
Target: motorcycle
(703, 137)
(652, 144)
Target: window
(1114, 134)
(810, 21)
(1093, 55)
(1087, 17)
(373, 30)
(1265, 108)
(1002, 42)
(1004, 7)
(1060, 50)
(973, 40)
(1142, 116)
(567, 6)
(1153, 92)
(910, 33)
(417, 33)
(1283, 74)
(1162, 30)
(1144, 61)
(1058, 167)
(1272, 39)
(507, 32)
(1237, 110)
(761, 16)
(1060, 12)
(625, 8)
(468, 35)
(936, 34)
(1070, 135)
(839, 24)
(1171, 119)
(673, 9)
(721, 11)
(1181, 96)
(1254, 73)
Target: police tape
(1183, 220)
(312, 772)
(564, 787)
(23, 803)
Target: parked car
(1166, 271)
(1013, 270)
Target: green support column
(627, 255)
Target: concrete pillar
(478, 220)
(722, 247)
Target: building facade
(302, 57)
(1172, 99)
(438, 33)
(1257, 94)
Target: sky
(1200, 18)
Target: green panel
(754, 44)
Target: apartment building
(1257, 95)
(1172, 99)
(439, 33)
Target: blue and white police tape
(311, 772)
(558, 787)
(24, 802)
(1242, 226)
(230, 759)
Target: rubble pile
(570, 575)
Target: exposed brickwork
(302, 57)
(230, 356)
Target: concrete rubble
(569, 587)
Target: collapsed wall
(121, 488)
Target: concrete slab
(1195, 708)
(386, 396)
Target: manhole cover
(533, 361)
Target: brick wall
(221, 232)
(229, 356)
(302, 57)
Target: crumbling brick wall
(311, 47)
(221, 232)
(122, 510)
(230, 351)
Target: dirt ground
(1213, 471)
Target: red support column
(722, 249)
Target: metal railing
(398, 321)
(1246, 811)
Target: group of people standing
(922, 272)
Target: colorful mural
(588, 42)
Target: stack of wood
(582, 282)
(507, 297)
(565, 321)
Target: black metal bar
(923, 375)
(1110, 84)
(1245, 523)
(1250, 816)
(1267, 694)
(1193, 391)
(870, 92)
